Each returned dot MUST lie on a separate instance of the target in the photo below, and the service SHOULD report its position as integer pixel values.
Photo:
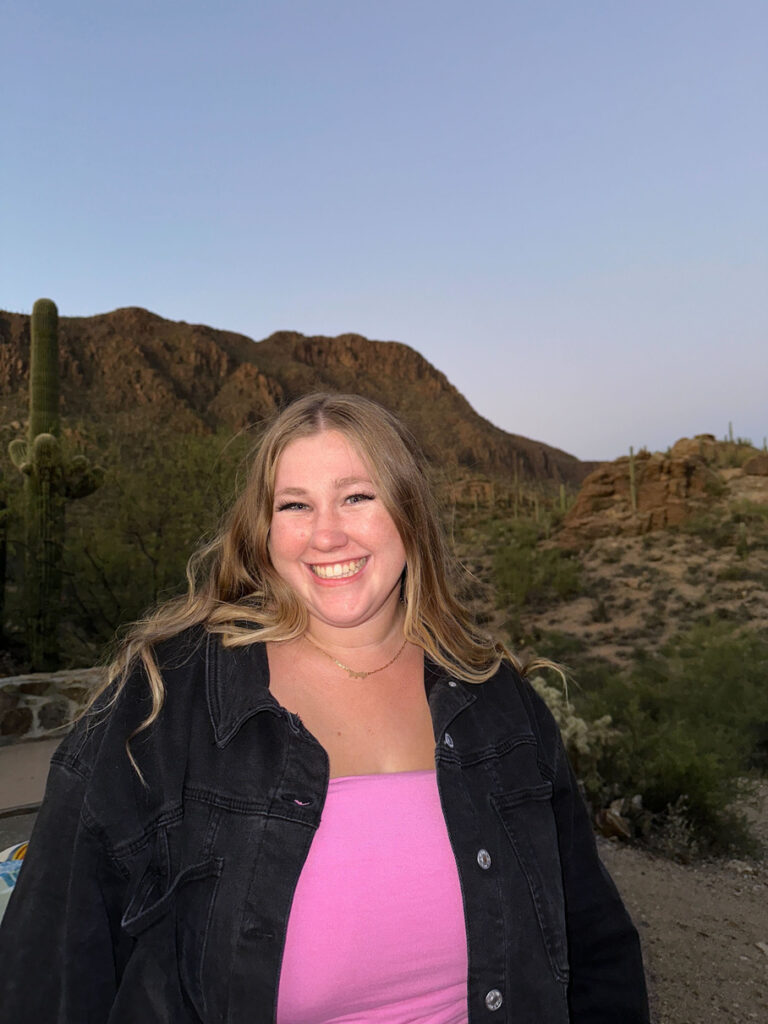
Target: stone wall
(43, 703)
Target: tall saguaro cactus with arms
(49, 481)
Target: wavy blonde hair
(235, 592)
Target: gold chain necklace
(351, 671)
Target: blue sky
(562, 205)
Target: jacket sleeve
(607, 981)
(59, 941)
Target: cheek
(286, 542)
(392, 532)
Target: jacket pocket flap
(506, 801)
(149, 904)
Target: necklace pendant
(358, 675)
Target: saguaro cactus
(632, 479)
(49, 481)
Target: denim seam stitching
(207, 796)
(560, 975)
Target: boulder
(757, 465)
(53, 714)
(703, 445)
(16, 722)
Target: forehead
(326, 457)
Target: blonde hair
(235, 592)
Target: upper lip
(337, 561)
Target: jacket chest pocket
(173, 920)
(529, 822)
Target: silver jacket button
(452, 682)
(494, 999)
(484, 859)
(448, 740)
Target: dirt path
(704, 930)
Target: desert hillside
(128, 367)
(694, 546)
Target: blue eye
(290, 505)
(355, 499)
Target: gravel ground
(704, 929)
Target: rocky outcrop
(757, 465)
(703, 446)
(668, 490)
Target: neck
(371, 638)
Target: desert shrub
(735, 453)
(560, 647)
(716, 530)
(715, 486)
(527, 574)
(743, 519)
(693, 721)
(600, 611)
(750, 513)
(612, 555)
(630, 570)
(585, 741)
(741, 573)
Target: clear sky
(562, 205)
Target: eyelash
(301, 505)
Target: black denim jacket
(169, 902)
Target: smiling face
(331, 537)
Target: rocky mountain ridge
(131, 364)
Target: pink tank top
(376, 931)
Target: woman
(338, 802)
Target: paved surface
(15, 829)
(23, 771)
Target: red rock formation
(669, 489)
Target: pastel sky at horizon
(561, 205)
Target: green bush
(694, 723)
(713, 529)
(561, 647)
(741, 573)
(750, 512)
(526, 574)
(744, 520)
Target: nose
(328, 533)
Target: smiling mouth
(339, 570)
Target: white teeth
(339, 570)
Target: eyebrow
(345, 481)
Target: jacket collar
(237, 687)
